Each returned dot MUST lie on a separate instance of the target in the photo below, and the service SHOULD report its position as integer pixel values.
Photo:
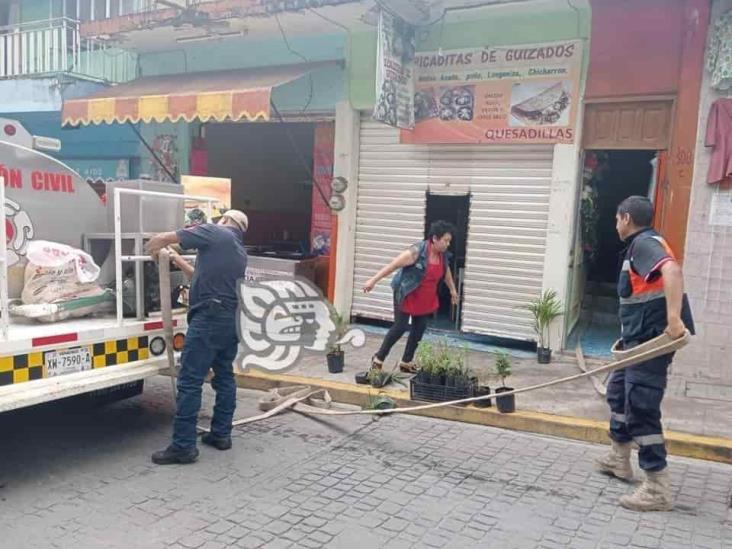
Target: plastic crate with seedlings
(443, 373)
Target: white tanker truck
(109, 354)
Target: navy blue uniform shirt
(221, 262)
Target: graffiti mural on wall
(166, 149)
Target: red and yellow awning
(217, 95)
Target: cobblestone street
(84, 480)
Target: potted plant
(461, 375)
(443, 373)
(335, 355)
(482, 389)
(545, 309)
(379, 378)
(506, 404)
(431, 362)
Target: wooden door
(632, 125)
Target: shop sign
(394, 72)
(507, 94)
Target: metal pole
(166, 195)
(143, 258)
(118, 252)
(166, 309)
(4, 321)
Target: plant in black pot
(482, 389)
(506, 404)
(545, 309)
(335, 355)
(461, 374)
(432, 361)
(379, 378)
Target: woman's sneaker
(376, 364)
(408, 367)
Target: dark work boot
(220, 443)
(175, 455)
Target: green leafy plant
(380, 402)
(503, 367)
(341, 328)
(545, 309)
(379, 378)
(443, 358)
(425, 357)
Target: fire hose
(301, 398)
(304, 399)
(166, 308)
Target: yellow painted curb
(588, 430)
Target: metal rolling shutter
(509, 186)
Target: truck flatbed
(45, 362)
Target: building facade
(509, 200)
(703, 370)
(44, 61)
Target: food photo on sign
(540, 104)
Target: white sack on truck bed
(60, 283)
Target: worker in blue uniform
(652, 301)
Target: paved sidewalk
(574, 399)
(84, 481)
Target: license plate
(68, 361)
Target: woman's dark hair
(440, 228)
(640, 210)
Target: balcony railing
(55, 46)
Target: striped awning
(216, 95)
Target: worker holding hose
(652, 301)
(211, 339)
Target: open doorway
(280, 177)
(454, 209)
(609, 177)
(270, 180)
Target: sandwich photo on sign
(540, 104)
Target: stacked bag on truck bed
(60, 284)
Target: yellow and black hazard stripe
(31, 366)
(20, 368)
(121, 351)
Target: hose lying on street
(166, 308)
(302, 399)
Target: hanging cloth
(719, 137)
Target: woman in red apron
(421, 268)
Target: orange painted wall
(635, 47)
(651, 47)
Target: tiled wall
(707, 362)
